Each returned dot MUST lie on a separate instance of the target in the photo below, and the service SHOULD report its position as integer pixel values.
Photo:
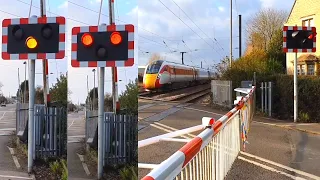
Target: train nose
(150, 81)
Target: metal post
(100, 121)
(266, 97)
(240, 37)
(94, 88)
(295, 92)
(262, 103)
(31, 113)
(101, 110)
(44, 61)
(231, 33)
(182, 53)
(255, 85)
(25, 80)
(19, 94)
(270, 99)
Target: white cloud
(221, 9)
(64, 5)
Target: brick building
(305, 13)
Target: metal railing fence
(211, 154)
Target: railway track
(180, 95)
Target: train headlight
(159, 75)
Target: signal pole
(46, 96)
(295, 89)
(182, 53)
(231, 34)
(25, 81)
(240, 36)
(101, 109)
(19, 86)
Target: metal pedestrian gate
(120, 139)
(50, 132)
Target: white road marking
(270, 168)
(166, 130)
(84, 165)
(282, 166)
(171, 128)
(3, 115)
(253, 156)
(204, 111)
(71, 123)
(16, 177)
(15, 159)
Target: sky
(200, 29)
(85, 13)
(166, 27)
(9, 68)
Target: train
(165, 75)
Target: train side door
(173, 74)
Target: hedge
(282, 94)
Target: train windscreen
(154, 68)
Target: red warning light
(115, 38)
(87, 39)
(312, 35)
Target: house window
(310, 69)
(308, 22)
(302, 70)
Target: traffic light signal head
(33, 38)
(299, 39)
(103, 46)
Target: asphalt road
(272, 152)
(8, 169)
(7, 119)
(76, 126)
(76, 133)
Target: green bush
(268, 69)
(282, 94)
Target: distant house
(141, 72)
(305, 13)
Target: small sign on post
(300, 39)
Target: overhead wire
(188, 26)
(195, 23)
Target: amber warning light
(115, 38)
(87, 39)
(31, 42)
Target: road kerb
(288, 127)
(15, 159)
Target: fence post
(270, 99)
(262, 103)
(55, 130)
(255, 85)
(266, 97)
(230, 94)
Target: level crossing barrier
(211, 154)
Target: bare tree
(263, 26)
(155, 57)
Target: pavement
(276, 149)
(8, 168)
(76, 134)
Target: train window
(154, 67)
